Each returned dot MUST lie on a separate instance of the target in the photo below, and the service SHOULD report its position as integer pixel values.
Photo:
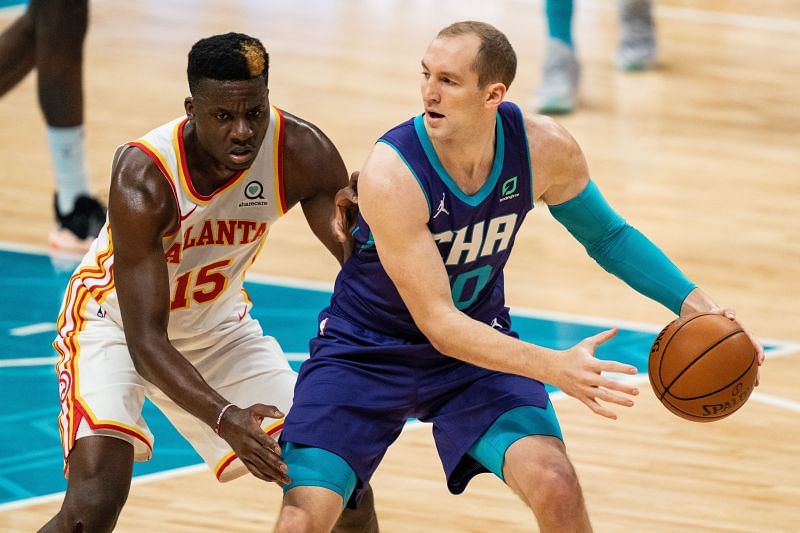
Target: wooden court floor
(701, 154)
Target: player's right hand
(259, 452)
(579, 374)
(346, 212)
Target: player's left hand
(346, 212)
(730, 313)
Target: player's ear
(188, 106)
(495, 93)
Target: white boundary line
(138, 480)
(28, 361)
(33, 329)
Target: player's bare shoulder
(548, 137)
(311, 161)
(139, 186)
(388, 184)
(557, 159)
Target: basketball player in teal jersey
(417, 325)
(157, 308)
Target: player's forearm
(464, 338)
(157, 361)
(621, 249)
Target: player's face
(449, 86)
(230, 119)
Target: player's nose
(241, 130)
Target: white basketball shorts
(102, 394)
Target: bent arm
(396, 210)
(576, 202)
(313, 174)
(141, 211)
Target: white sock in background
(69, 164)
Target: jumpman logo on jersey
(441, 208)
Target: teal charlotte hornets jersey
(474, 233)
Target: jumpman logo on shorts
(441, 208)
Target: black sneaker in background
(77, 230)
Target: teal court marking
(31, 288)
(12, 3)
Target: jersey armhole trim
(155, 156)
(408, 165)
(527, 148)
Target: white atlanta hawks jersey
(216, 239)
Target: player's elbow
(142, 349)
(441, 334)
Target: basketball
(703, 367)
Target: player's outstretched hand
(579, 374)
(346, 213)
(259, 452)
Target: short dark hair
(496, 59)
(231, 56)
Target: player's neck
(206, 173)
(468, 156)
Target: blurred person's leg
(559, 87)
(637, 37)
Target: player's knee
(94, 508)
(555, 486)
(295, 519)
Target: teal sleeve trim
(621, 249)
(527, 149)
(490, 449)
(411, 169)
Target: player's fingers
(601, 337)
(265, 471)
(599, 409)
(354, 180)
(608, 396)
(267, 462)
(618, 386)
(728, 312)
(338, 229)
(265, 441)
(266, 411)
(758, 346)
(616, 366)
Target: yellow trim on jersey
(277, 162)
(154, 151)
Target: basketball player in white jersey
(157, 308)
